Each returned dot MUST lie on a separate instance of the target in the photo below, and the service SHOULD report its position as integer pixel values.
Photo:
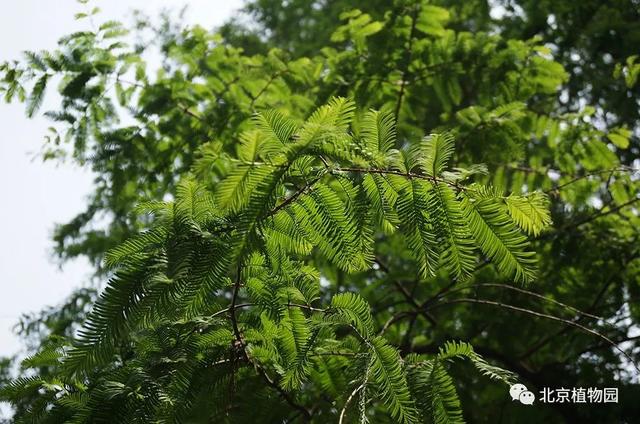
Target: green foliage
(203, 244)
(351, 309)
(498, 237)
(286, 217)
(433, 386)
(386, 371)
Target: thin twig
(588, 219)
(240, 340)
(407, 64)
(395, 318)
(527, 292)
(227, 310)
(402, 174)
(266, 86)
(293, 197)
(541, 315)
(349, 399)
(589, 174)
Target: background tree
(589, 39)
(426, 243)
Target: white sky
(35, 195)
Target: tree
(589, 38)
(345, 221)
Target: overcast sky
(36, 195)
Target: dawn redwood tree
(593, 39)
(327, 233)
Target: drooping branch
(541, 315)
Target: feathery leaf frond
(437, 150)
(388, 375)
(530, 212)
(499, 239)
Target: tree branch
(541, 315)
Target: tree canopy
(335, 211)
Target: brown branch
(545, 340)
(396, 318)
(232, 312)
(587, 175)
(293, 197)
(443, 291)
(529, 293)
(241, 344)
(541, 315)
(541, 343)
(402, 174)
(227, 310)
(408, 297)
(590, 218)
(189, 112)
(407, 64)
(603, 345)
(266, 86)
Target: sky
(36, 195)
